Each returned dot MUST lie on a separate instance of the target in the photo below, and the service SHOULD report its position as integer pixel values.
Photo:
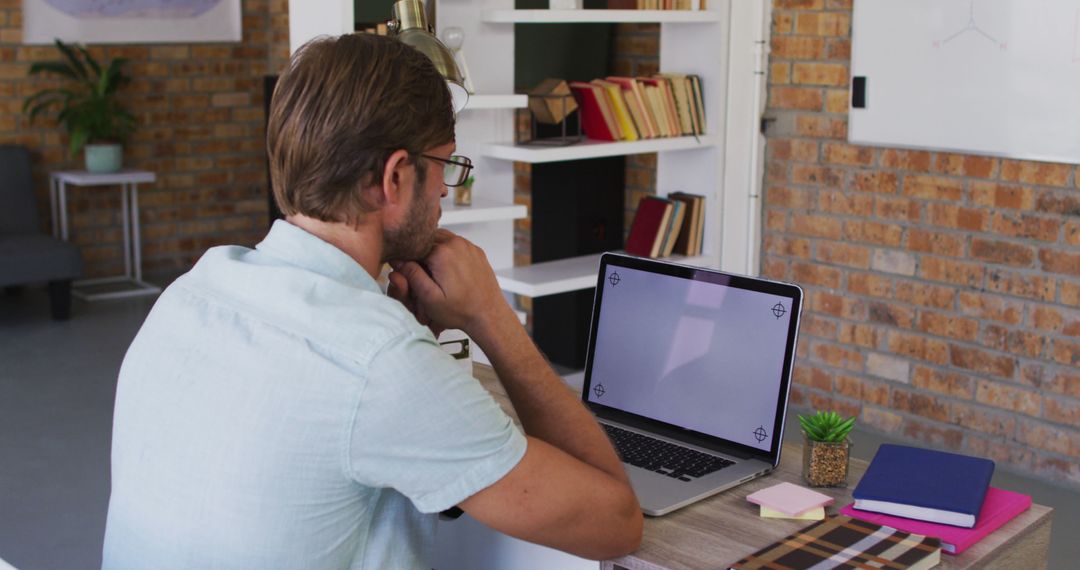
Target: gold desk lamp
(409, 25)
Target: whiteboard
(998, 77)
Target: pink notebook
(789, 498)
(999, 507)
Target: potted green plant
(463, 193)
(826, 449)
(87, 107)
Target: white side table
(128, 180)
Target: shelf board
(599, 16)
(497, 102)
(480, 211)
(565, 275)
(592, 149)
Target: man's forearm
(546, 408)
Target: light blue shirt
(276, 410)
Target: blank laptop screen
(700, 355)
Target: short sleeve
(426, 428)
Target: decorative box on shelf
(552, 103)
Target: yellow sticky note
(811, 515)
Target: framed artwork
(131, 21)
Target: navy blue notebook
(924, 484)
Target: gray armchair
(26, 255)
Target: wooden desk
(722, 529)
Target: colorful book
(647, 230)
(844, 542)
(789, 498)
(595, 118)
(634, 95)
(691, 104)
(638, 112)
(686, 241)
(999, 507)
(668, 98)
(683, 98)
(618, 106)
(699, 103)
(671, 232)
(924, 484)
(650, 118)
(654, 99)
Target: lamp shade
(410, 27)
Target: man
(277, 410)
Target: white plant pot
(104, 158)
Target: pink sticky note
(789, 498)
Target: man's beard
(415, 238)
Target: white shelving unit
(706, 42)
(496, 102)
(690, 42)
(481, 210)
(593, 149)
(565, 275)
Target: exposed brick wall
(200, 128)
(943, 290)
(637, 54)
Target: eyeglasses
(456, 170)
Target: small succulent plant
(826, 427)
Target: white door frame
(744, 143)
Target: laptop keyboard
(666, 458)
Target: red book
(649, 227)
(594, 120)
(999, 507)
(684, 243)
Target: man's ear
(395, 178)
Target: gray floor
(57, 382)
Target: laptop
(688, 371)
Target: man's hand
(569, 491)
(454, 288)
(399, 289)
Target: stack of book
(633, 108)
(944, 495)
(656, 4)
(666, 226)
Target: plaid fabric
(846, 543)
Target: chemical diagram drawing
(972, 27)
